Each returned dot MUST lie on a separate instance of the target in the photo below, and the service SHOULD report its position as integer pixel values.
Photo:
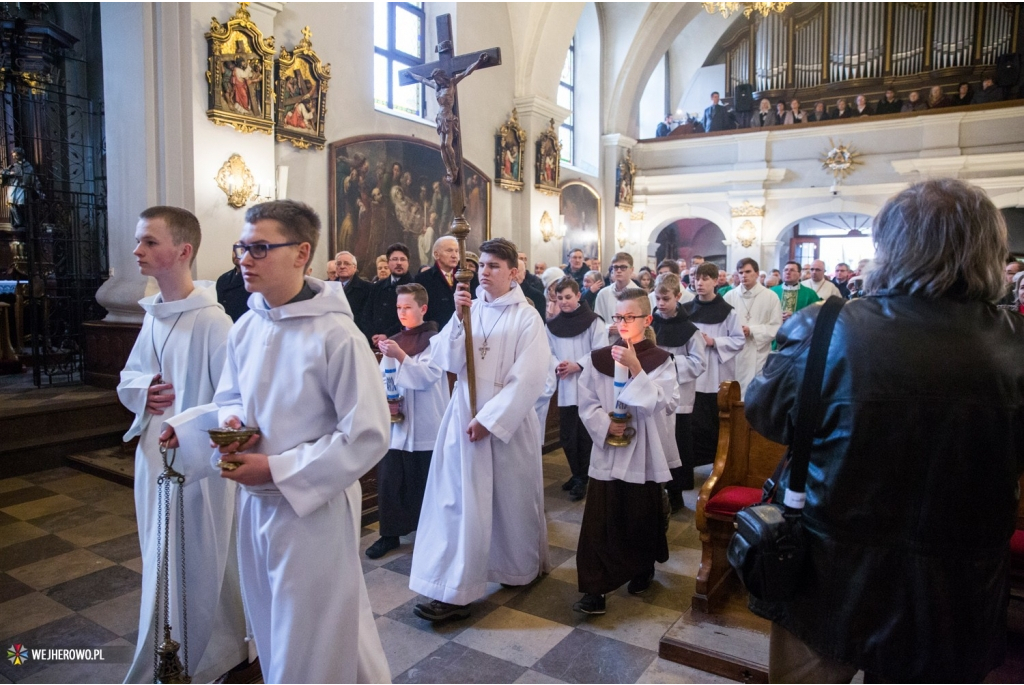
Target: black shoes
(441, 611)
(641, 583)
(675, 501)
(578, 491)
(590, 604)
(567, 485)
(384, 545)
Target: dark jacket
(911, 491)
(440, 295)
(718, 118)
(536, 297)
(578, 275)
(886, 107)
(984, 96)
(845, 114)
(379, 315)
(232, 295)
(589, 298)
(760, 119)
(357, 291)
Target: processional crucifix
(443, 76)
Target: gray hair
(594, 276)
(298, 221)
(439, 241)
(939, 238)
(354, 260)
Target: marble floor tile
(665, 671)
(668, 591)
(404, 646)
(367, 540)
(585, 657)
(682, 561)
(630, 620)
(388, 590)
(99, 492)
(689, 537)
(79, 673)
(558, 555)
(70, 630)
(19, 531)
(455, 663)
(41, 477)
(59, 569)
(9, 484)
(82, 593)
(563, 534)
(31, 551)
(531, 676)
(566, 572)
(62, 520)
(500, 595)
(402, 564)
(134, 564)
(11, 588)
(448, 629)
(551, 599)
(41, 507)
(27, 612)
(119, 615)
(513, 636)
(7, 519)
(572, 513)
(118, 549)
(122, 504)
(67, 486)
(105, 527)
(22, 495)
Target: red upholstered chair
(744, 461)
(1017, 552)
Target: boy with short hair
(623, 531)
(299, 369)
(175, 365)
(573, 334)
(421, 382)
(723, 336)
(622, 278)
(678, 336)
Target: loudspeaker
(743, 98)
(1007, 70)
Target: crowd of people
(636, 365)
(718, 117)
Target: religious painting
(580, 207)
(509, 145)
(301, 89)
(391, 189)
(624, 177)
(549, 161)
(240, 74)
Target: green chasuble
(796, 299)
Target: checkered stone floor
(70, 576)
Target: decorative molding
(746, 209)
(617, 140)
(541, 107)
(946, 166)
(673, 183)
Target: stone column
(745, 232)
(613, 148)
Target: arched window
(398, 39)
(585, 121)
(567, 99)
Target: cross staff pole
(443, 76)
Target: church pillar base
(107, 346)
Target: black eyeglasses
(620, 267)
(257, 250)
(628, 318)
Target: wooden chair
(745, 459)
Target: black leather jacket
(912, 488)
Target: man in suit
(717, 117)
(379, 318)
(439, 281)
(577, 268)
(356, 289)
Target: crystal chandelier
(728, 8)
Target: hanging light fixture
(726, 9)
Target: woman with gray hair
(593, 281)
(911, 494)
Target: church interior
(586, 126)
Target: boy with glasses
(298, 369)
(622, 278)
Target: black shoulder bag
(768, 548)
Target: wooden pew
(1017, 551)
(744, 460)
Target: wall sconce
(746, 233)
(236, 181)
(549, 230)
(621, 234)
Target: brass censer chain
(167, 667)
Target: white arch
(673, 214)
(774, 224)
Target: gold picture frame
(240, 72)
(625, 175)
(509, 147)
(300, 84)
(580, 206)
(549, 161)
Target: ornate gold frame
(625, 173)
(304, 62)
(223, 41)
(510, 133)
(600, 213)
(549, 138)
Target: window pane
(380, 25)
(416, 4)
(565, 138)
(408, 32)
(406, 98)
(564, 97)
(380, 80)
(567, 70)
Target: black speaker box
(743, 98)
(1007, 70)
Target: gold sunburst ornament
(839, 160)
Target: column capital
(617, 140)
(540, 107)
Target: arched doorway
(832, 238)
(684, 238)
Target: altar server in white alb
(416, 377)
(678, 336)
(573, 335)
(299, 369)
(760, 315)
(483, 511)
(723, 336)
(623, 531)
(175, 365)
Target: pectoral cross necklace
(484, 348)
(152, 338)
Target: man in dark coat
(889, 104)
(911, 496)
(717, 117)
(577, 268)
(439, 281)
(989, 92)
(231, 292)
(356, 289)
(379, 316)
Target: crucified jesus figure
(447, 119)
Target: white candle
(390, 370)
(621, 376)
